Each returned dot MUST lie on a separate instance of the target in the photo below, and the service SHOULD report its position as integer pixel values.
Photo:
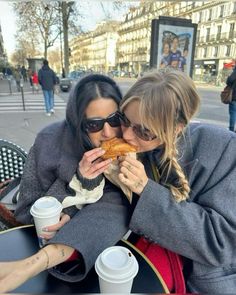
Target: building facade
(128, 43)
(216, 40)
(135, 35)
(95, 50)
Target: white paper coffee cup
(116, 268)
(45, 211)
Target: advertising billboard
(173, 44)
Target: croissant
(116, 147)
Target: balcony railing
(216, 37)
(232, 35)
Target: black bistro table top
(22, 241)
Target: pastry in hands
(116, 147)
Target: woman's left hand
(132, 174)
(51, 229)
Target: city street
(212, 109)
(21, 126)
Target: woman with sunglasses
(64, 162)
(184, 181)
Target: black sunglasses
(138, 130)
(97, 124)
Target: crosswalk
(33, 102)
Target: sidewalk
(22, 127)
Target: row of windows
(215, 51)
(214, 13)
(230, 27)
(138, 34)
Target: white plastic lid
(116, 264)
(46, 207)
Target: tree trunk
(45, 50)
(65, 35)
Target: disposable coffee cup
(116, 268)
(45, 211)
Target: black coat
(47, 78)
(231, 82)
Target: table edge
(17, 227)
(150, 264)
(125, 242)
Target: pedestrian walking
(8, 73)
(24, 73)
(17, 77)
(30, 74)
(35, 82)
(47, 80)
(231, 82)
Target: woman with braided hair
(183, 183)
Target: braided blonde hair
(168, 100)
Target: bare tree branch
(42, 17)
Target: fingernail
(45, 229)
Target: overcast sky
(92, 11)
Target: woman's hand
(51, 229)
(15, 273)
(12, 275)
(92, 165)
(132, 174)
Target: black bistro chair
(12, 160)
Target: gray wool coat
(201, 229)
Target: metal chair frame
(12, 160)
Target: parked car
(66, 83)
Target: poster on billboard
(173, 44)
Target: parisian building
(95, 50)
(215, 39)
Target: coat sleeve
(231, 79)
(30, 190)
(202, 229)
(94, 228)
